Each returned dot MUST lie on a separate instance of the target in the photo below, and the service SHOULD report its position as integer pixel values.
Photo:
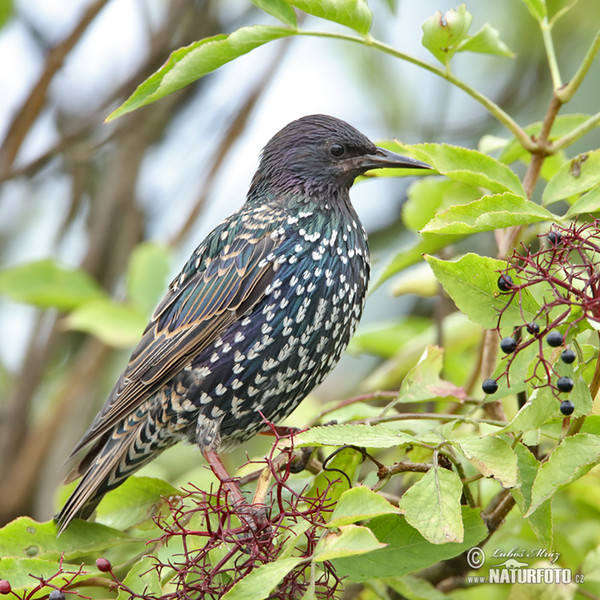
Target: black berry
(567, 407)
(554, 338)
(555, 238)
(564, 384)
(533, 328)
(103, 565)
(568, 356)
(489, 386)
(4, 586)
(56, 595)
(505, 282)
(508, 345)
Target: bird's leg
(254, 515)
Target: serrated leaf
(537, 8)
(472, 282)
(429, 196)
(357, 504)
(351, 13)
(407, 551)
(492, 456)
(409, 255)
(579, 175)
(570, 460)
(20, 573)
(147, 274)
(350, 540)
(367, 436)
(423, 382)
(464, 164)
(487, 214)
(487, 41)
(190, 63)
(539, 408)
(279, 9)
(118, 325)
(586, 204)
(25, 537)
(261, 581)
(48, 284)
(541, 520)
(142, 579)
(432, 506)
(134, 501)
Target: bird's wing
(191, 315)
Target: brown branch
(36, 100)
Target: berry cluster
(568, 268)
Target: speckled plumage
(258, 316)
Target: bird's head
(319, 152)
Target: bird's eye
(336, 149)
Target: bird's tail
(110, 461)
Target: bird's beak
(386, 159)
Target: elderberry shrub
(568, 356)
(489, 386)
(555, 238)
(554, 338)
(567, 407)
(505, 282)
(508, 345)
(564, 384)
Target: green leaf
(407, 550)
(6, 11)
(432, 506)
(570, 460)
(539, 408)
(408, 256)
(366, 436)
(537, 8)
(117, 325)
(142, 579)
(442, 34)
(429, 196)
(261, 581)
(147, 275)
(48, 284)
(420, 280)
(351, 13)
(25, 537)
(469, 166)
(472, 282)
(350, 540)
(423, 382)
(358, 504)
(579, 175)
(585, 204)
(492, 456)
(486, 40)
(190, 63)
(386, 340)
(487, 214)
(279, 9)
(347, 461)
(410, 587)
(541, 520)
(20, 572)
(134, 501)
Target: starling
(259, 315)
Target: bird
(257, 318)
